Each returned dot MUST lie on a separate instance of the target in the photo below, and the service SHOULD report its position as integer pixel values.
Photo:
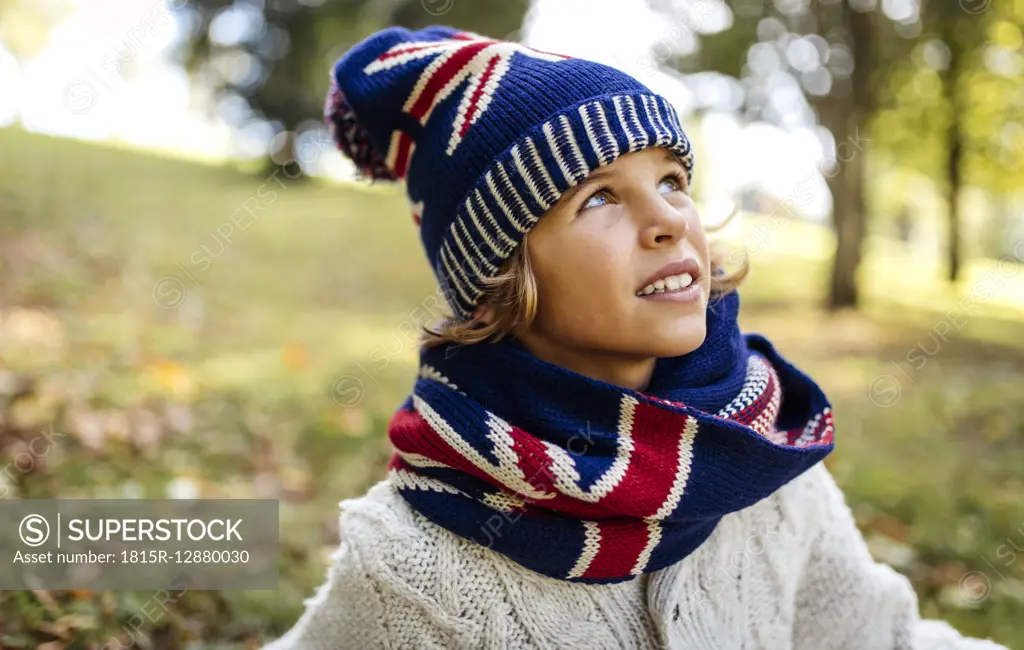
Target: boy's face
(595, 250)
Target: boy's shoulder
(807, 504)
(381, 520)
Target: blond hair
(512, 297)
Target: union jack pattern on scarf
(618, 497)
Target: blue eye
(596, 200)
(672, 184)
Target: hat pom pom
(352, 137)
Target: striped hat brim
(527, 179)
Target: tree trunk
(956, 146)
(953, 196)
(849, 220)
(849, 125)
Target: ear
(484, 314)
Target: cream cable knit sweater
(791, 571)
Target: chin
(685, 337)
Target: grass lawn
(236, 336)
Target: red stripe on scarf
(656, 433)
(620, 546)
(640, 493)
(411, 433)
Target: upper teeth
(670, 283)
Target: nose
(661, 223)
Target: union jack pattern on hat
(487, 135)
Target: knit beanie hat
(487, 135)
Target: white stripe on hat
(463, 273)
(457, 281)
(549, 133)
(458, 242)
(479, 227)
(664, 134)
(378, 65)
(648, 121)
(581, 169)
(426, 76)
(476, 249)
(524, 173)
(629, 117)
(489, 179)
(490, 217)
(635, 112)
(594, 143)
(607, 130)
(674, 117)
(617, 101)
(468, 269)
(391, 159)
(552, 188)
(664, 115)
(524, 210)
(479, 62)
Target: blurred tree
(966, 37)
(937, 87)
(960, 37)
(828, 51)
(847, 119)
(269, 60)
(25, 24)
(928, 93)
(953, 110)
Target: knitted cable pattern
(791, 571)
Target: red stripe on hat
(563, 56)
(390, 54)
(474, 101)
(440, 78)
(620, 546)
(405, 149)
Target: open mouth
(677, 276)
(669, 284)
